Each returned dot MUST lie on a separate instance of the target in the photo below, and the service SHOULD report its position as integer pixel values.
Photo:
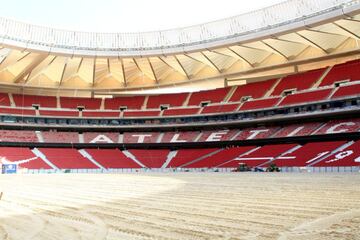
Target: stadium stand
(181, 111)
(260, 104)
(18, 136)
(151, 159)
(4, 99)
(29, 101)
(300, 81)
(220, 108)
(141, 113)
(349, 90)
(349, 71)
(306, 97)
(59, 113)
(18, 111)
(67, 158)
(212, 96)
(112, 158)
(60, 137)
(24, 157)
(172, 100)
(74, 103)
(134, 102)
(253, 90)
(185, 156)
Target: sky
(125, 15)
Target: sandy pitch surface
(180, 206)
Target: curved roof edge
(285, 17)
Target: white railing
(45, 38)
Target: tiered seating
(306, 97)
(17, 136)
(350, 90)
(74, 102)
(219, 159)
(100, 114)
(133, 102)
(29, 100)
(259, 104)
(112, 158)
(151, 158)
(298, 81)
(23, 157)
(60, 137)
(264, 154)
(173, 100)
(179, 137)
(348, 157)
(339, 126)
(185, 156)
(346, 71)
(141, 113)
(181, 111)
(101, 137)
(59, 113)
(253, 90)
(220, 135)
(4, 99)
(213, 96)
(307, 154)
(220, 108)
(18, 111)
(257, 133)
(67, 158)
(141, 137)
(301, 129)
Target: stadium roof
(284, 34)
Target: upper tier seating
(220, 108)
(339, 126)
(112, 158)
(306, 97)
(345, 71)
(101, 137)
(17, 136)
(307, 154)
(347, 157)
(264, 154)
(60, 137)
(301, 129)
(253, 90)
(59, 113)
(259, 104)
(350, 90)
(219, 135)
(300, 81)
(219, 159)
(212, 96)
(100, 114)
(134, 102)
(18, 111)
(141, 137)
(67, 158)
(172, 100)
(179, 136)
(151, 159)
(24, 157)
(4, 99)
(29, 100)
(185, 156)
(257, 133)
(141, 113)
(74, 102)
(181, 111)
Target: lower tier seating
(312, 154)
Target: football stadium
(246, 126)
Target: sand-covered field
(180, 206)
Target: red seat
(60, 137)
(350, 90)
(185, 156)
(151, 158)
(173, 100)
(4, 99)
(29, 100)
(348, 157)
(74, 102)
(213, 96)
(306, 97)
(67, 158)
(307, 154)
(112, 158)
(345, 71)
(181, 111)
(134, 102)
(24, 157)
(259, 104)
(253, 90)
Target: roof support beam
(123, 72)
(312, 43)
(241, 57)
(354, 35)
(182, 72)
(152, 69)
(275, 50)
(182, 67)
(29, 68)
(212, 63)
